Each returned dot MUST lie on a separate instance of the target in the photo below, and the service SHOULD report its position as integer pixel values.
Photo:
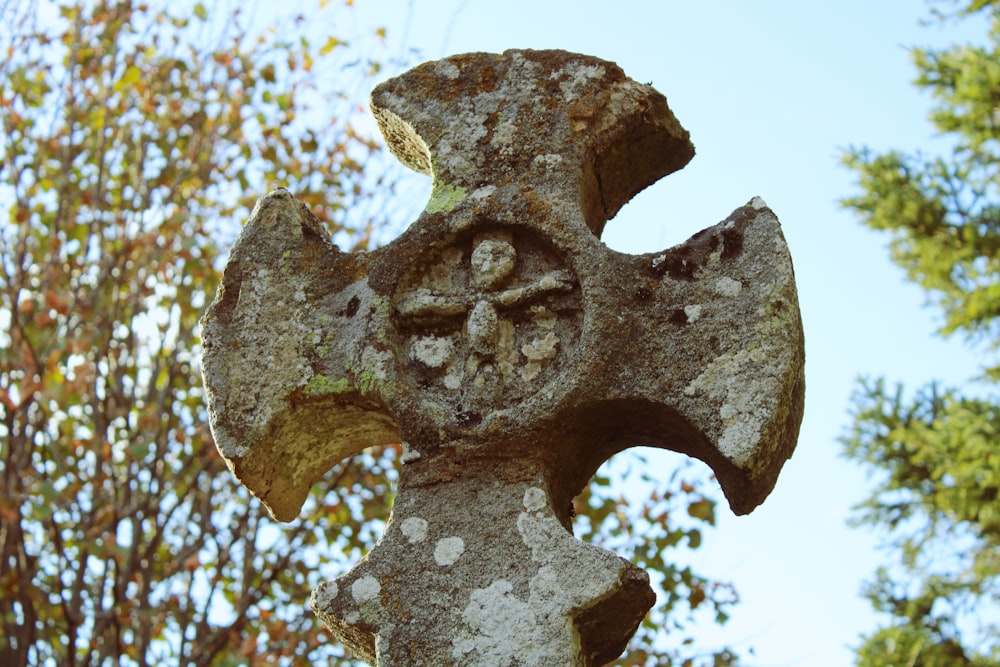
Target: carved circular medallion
(486, 320)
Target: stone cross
(511, 352)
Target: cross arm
(294, 385)
(708, 359)
(565, 117)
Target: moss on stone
(445, 198)
(369, 381)
(321, 385)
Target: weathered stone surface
(511, 351)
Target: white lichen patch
(543, 317)
(483, 192)
(742, 385)
(578, 573)
(504, 134)
(448, 69)
(541, 349)
(538, 628)
(539, 352)
(365, 589)
(414, 529)
(758, 203)
(493, 260)
(546, 583)
(324, 595)
(409, 455)
(659, 259)
(578, 78)
(506, 626)
(534, 499)
(432, 351)
(453, 378)
(448, 550)
(547, 161)
(726, 286)
(738, 440)
(692, 313)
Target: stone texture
(511, 351)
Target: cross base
(523, 591)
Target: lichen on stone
(414, 529)
(320, 385)
(433, 351)
(445, 198)
(448, 550)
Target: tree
(936, 453)
(656, 535)
(133, 142)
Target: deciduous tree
(132, 141)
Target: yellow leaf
(129, 78)
(331, 44)
(200, 11)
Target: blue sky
(771, 92)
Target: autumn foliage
(133, 142)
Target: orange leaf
(191, 563)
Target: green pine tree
(935, 453)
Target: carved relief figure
(488, 316)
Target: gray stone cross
(511, 351)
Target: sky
(772, 93)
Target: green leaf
(694, 538)
(200, 11)
(267, 73)
(703, 510)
